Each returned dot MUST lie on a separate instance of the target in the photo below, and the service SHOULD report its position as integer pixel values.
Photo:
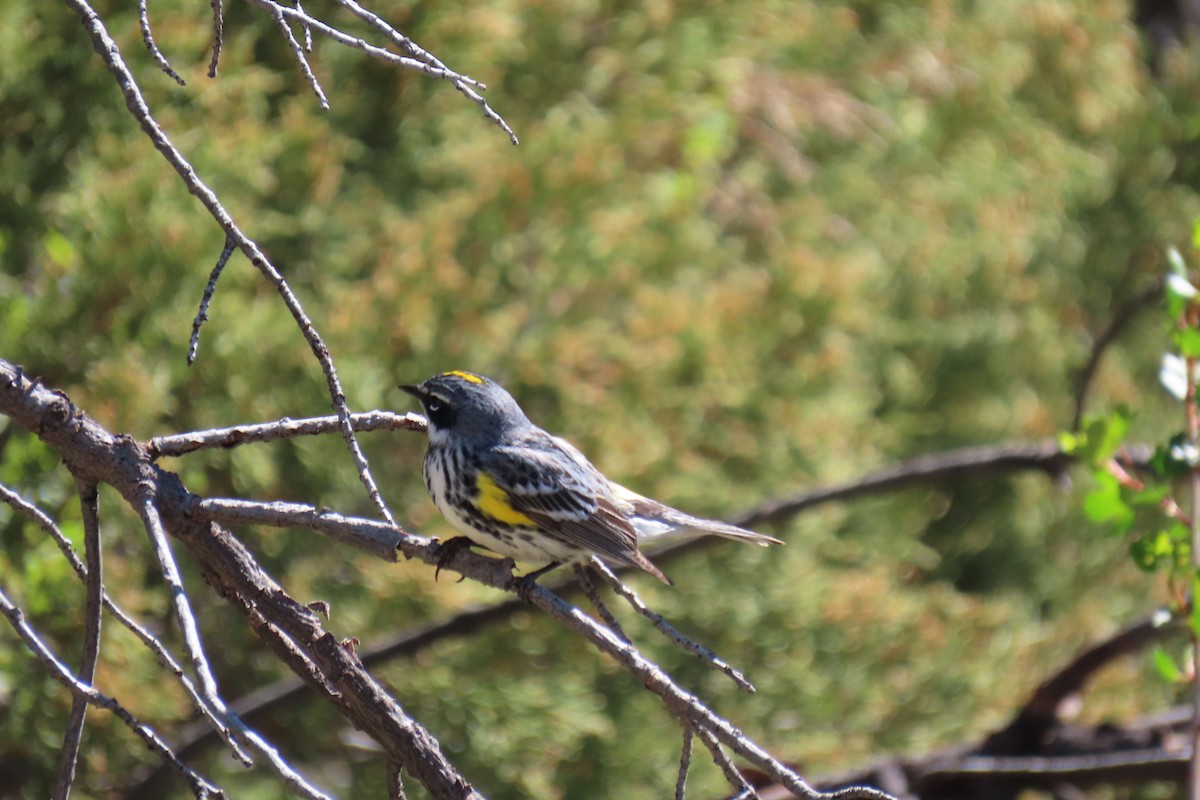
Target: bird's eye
(433, 406)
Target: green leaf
(1106, 504)
(1070, 443)
(1166, 665)
(1101, 436)
(1152, 551)
(1150, 496)
(1187, 341)
(1194, 617)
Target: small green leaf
(1166, 665)
(1150, 496)
(59, 248)
(1187, 342)
(1180, 533)
(1194, 617)
(1152, 551)
(1101, 436)
(1106, 504)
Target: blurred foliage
(742, 249)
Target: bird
(510, 487)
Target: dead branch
(295, 633)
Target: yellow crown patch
(466, 376)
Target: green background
(743, 249)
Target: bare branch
(735, 778)
(179, 598)
(395, 781)
(195, 653)
(1041, 711)
(136, 103)
(952, 465)
(148, 39)
(218, 17)
(89, 504)
(368, 535)
(965, 462)
(289, 628)
(463, 85)
(1121, 319)
(285, 625)
(206, 299)
(307, 30)
(61, 673)
(685, 763)
(668, 630)
(589, 590)
(680, 703)
(346, 39)
(183, 443)
(165, 659)
(299, 52)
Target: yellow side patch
(494, 503)
(466, 376)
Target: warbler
(511, 487)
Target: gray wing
(549, 481)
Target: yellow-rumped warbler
(509, 486)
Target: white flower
(1186, 452)
(1180, 286)
(1172, 374)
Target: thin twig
(408, 44)
(1046, 456)
(671, 632)
(61, 673)
(89, 504)
(299, 52)
(179, 599)
(148, 39)
(195, 652)
(359, 44)
(370, 536)
(307, 30)
(206, 299)
(722, 760)
(1041, 711)
(592, 594)
(183, 443)
(685, 763)
(682, 704)
(218, 17)
(1116, 326)
(395, 780)
(165, 659)
(104, 45)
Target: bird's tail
(655, 521)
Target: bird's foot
(446, 552)
(524, 584)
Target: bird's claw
(446, 552)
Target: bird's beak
(415, 391)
